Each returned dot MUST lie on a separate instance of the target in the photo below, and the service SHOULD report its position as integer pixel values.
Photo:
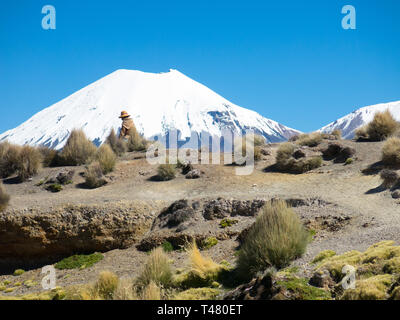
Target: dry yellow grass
(157, 269)
(78, 150)
(391, 151)
(4, 198)
(106, 158)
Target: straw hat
(124, 114)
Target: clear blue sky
(289, 60)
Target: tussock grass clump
(106, 158)
(117, 145)
(28, 164)
(382, 126)
(391, 151)
(203, 270)
(337, 133)
(79, 261)
(151, 292)
(166, 172)
(287, 163)
(94, 176)
(135, 141)
(106, 285)
(50, 157)
(4, 198)
(9, 159)
(78, 150)
(157, 270)
(361, 133)
(311, 139)
(274, 240)
(390, 178)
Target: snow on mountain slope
(157, 103)
(348, 124)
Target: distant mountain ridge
(351, 122)
(157, 102)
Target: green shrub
(54, 187)
(209, 243)
(382, 126)
(117, 145)
(28, 163)
(4, 198)
(80, 261)
(166, 172)
(18, 272)
(311, 140)
(274, 240)
(94, 176)
(391, 151)
(167, 246)
(348, 161)
(225, 223)
(78, 150)
(157, 269)
(106, 158)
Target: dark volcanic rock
(178, 212)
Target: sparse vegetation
(9, 158)
(117, 145)
(105, 285)
(28, 164)
(54, 187)
(275, 239)
(166, 172)
(209, 243)
(310, 140)
(157, 270)
(78, 150)
(106, 158)
(167, 246)
(4, 198)
(94, 176)
(225, 223)
(337, 133)
(348, 161)
(18, 272)
(204, 272)
(50, 157)
(80, 261)
(287, 163)
(135, 141)
(380, 128)
(391, 151)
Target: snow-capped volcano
(156, 102)
(348, 124)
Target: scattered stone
(193, 174)
(322, 279)
(187, 168)
(396, 194)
